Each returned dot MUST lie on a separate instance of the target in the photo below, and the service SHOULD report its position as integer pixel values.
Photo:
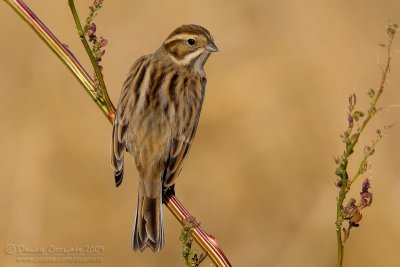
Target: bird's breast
(169, 107)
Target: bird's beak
(212, 47)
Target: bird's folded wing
(179, 151)
(126, 105)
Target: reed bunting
(157, 116)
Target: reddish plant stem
(207, 242)
(62, 53)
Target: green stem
(371, 111)
(346, 183)
(99, 75)
(339, 220)
(62, 52)
(361, 166)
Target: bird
(156, 121)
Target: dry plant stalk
(357, 121)
(207, 242)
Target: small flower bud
(364, 167)
(365, 186)
(366, 199)
(368, 151)
(350, 209)
(351, 122)
(379, 133)
(371, 92)
(358, 114)
(103, 42)
(352, 101)
(93, 27)
(357, 217)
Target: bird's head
(190, 44)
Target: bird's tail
(148, 228)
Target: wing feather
(180, 148)
(121, 121)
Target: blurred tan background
(260, 173)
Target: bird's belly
(153, 134)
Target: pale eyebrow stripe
(178, 37)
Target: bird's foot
(169, 191)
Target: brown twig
(207, 242)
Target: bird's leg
(169, 191)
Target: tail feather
(148, 227)
(117, 155)
(119, 175)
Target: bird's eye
(191, 42)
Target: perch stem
(62, 52)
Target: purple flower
(365, 186)
(366, 199)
